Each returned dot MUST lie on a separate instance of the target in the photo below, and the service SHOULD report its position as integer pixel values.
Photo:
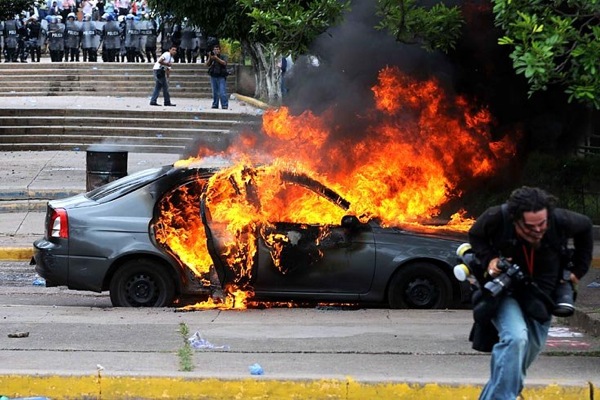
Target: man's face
(532, 226)
(173, 50)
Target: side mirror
(350, 222)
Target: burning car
(272, 234)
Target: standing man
(56, 39)
(72, 39)
(529, 232)
(217, 69)
(150, 35)
(36, 38)
(89, 44)
(111, 39)
(11, 38)
(162, 71)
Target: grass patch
(185, 353)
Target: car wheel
(420, 285)
(142, 283)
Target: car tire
(142, 283)
(421, 286)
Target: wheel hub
(421, 292)
(141, 289)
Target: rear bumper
(49, 263)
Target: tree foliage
(436, 28)
(8, 8)
(554, 42)
(291, 26)
(277, 27)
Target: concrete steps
(127, 126)
(99, 79)
(130, 130)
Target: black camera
(511, 273)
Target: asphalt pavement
(28, 178)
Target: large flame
(415, 148)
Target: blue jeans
(521, 340)
(160, 84)
(219, 91)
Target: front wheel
(420, 285)
(142, 283)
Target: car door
(312, 259)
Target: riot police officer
(111, 38)
(35, 37)
(132, 38)
(72, 39)
(149, 36)
(11, 38)
(56, 39)
(89, 44)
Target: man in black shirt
(531, 233)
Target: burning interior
(416, 147)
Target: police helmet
(110, 17)
(121, 18)
(59, 17)
(87, 17)
(129, 16)
(71, 15)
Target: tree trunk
(267, 72)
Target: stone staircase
(135, 129)
(130, 130)
(100, 79)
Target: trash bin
(103, 166)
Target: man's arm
(483, 233)
(580, 228)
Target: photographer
(530, 235)
(217, 69)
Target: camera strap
(529, 258)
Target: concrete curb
(16, 253)
(138, 387)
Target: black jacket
(489, 238)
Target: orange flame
(413, 151)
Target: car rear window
(127, 184)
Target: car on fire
(122, 238)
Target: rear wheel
(142, 283)
(420, 285)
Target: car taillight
(58, 225)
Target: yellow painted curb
(16, 253)
(149, 388)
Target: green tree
(553, 42)
(435, 28)
(267, 29)
(8, 8)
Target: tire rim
(141, 290)
(421, 293)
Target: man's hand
(493, 269)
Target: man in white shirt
(162, 71)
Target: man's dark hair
(526, 199)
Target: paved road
(76, 333)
